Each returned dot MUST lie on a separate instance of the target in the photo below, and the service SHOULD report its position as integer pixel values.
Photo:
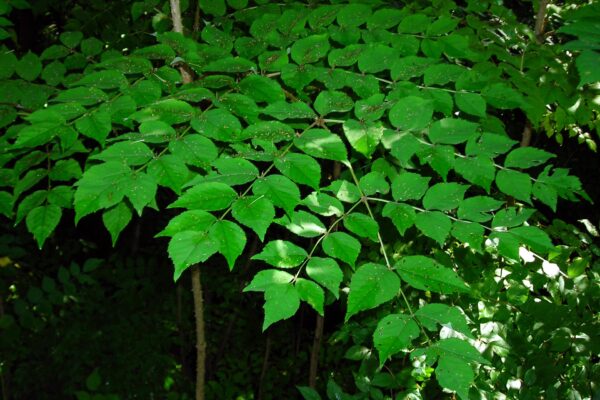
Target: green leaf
(108, 79)
(511, 216)
(330, 101)
(308, 393)
(96, 125)
(255, 212)
(353, 15)
(433, 314)
(527, 157)
(115, 219)
(267, 278)
(342, 246)
(587, 66)
(273, 131)
(384, 18)
(454, 374)
(311, 293)
(29, 202)
(310, 49)
(478, 170)
(36, 135)
(41, 222)
(372, 183)
(65, 170)
(411, 113)
(460, 349)
(208, 196)
(304, 224)
(54, 73)
(86, 96)
(230, 65)
(409, 186)
(346, 56)
(434, 224)
(477, 208)
(502, 96)
(471, 103)
(171, 111)
(71, 39)
(414, 23)
(469, 233)
(452, 131)
(280, 190)
(8, 64)
(91, 47)
(170, 171)
(158, 132)
(424, 273)
(321, 143)
(6, 204)
(241, 105)
(490, 145)
(282, 254)
(393, 334)
(444, 196)
(188, 248)
(344, 190)
(213, 7)
(410, 67)
(515, 184)
(194, 149)
(534, 237)
(362, 225)
(129, 64)
(324, 204)
(406, 146)
(371, 285)
(140, 190)
(218, 124)
(364, 137)
(29, 66)
(101, 186)
(376, 58)
(326, 272)
(300, 168)
(234, 171)
(281, 302)
(441, 74)
(371, 108)
(283, 110)
(193, 220)
(127, 152)
(262, 89)
(155, 52)
(444, 24)
(230, 238)
(403, 216)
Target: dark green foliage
(306, 130)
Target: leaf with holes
(424, 273)
(208, 196)
(393, 334)
(371, 285)
(282, 254)
(256, 212)
(326, 272)
(188, 248)
(230, 238)
(342, 246)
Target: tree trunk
(200, 338)
(186, 77)
(314, 354)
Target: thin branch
(540, 20)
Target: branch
(540, 20)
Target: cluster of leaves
(317, 129)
